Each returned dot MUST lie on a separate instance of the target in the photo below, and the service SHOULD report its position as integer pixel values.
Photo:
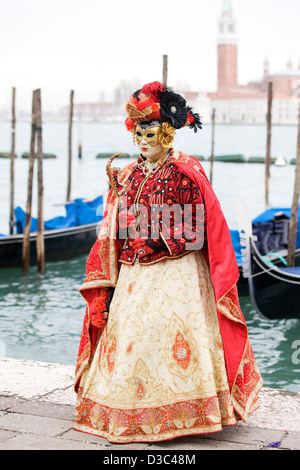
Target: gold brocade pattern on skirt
(159, 369)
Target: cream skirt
(159, 369)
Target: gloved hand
(144, 246)
(97, 308)
(126, 219)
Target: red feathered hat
(155, 102)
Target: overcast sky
(91, 45)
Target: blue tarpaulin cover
(235, 237)
(79, 212)
(295, 270)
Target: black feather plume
(197, 124)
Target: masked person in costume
(164, 350)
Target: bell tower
(227, 48)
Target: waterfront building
(247, 104)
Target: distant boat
(108, 155)
(260, 160)
(200, 158)
(280, 161)
(45, 155)
(229, 158)
(256, 160)
(6, 155)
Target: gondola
(274, 290)
(274, 287)
(270, 230)
(276, 258)
(65, 237)
(60, 245)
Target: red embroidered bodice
(169, 232)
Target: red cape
(102, 270)
(223, 266)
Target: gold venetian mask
(150, 134)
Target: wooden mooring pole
(269, 138)
(165, 70)
(70, 146)
(36, 134)
(26, 234)
(40, 243)
(80, 137)
(12, 163)
(212, 157)
(294, 211)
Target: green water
(41, 316)
(41, 319)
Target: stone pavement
(37, 413)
